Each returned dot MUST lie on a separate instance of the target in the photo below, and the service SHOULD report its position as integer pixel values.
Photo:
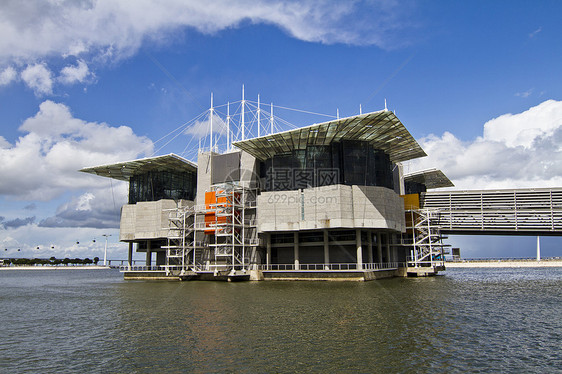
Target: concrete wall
(248, 170)
(203, 176)
(337, 206)
(146, 220)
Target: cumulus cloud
(44, 242)
(16, 222)
(97, 209)
(39, 78)
(8, 75)
(515, 150)
(43, 163)
(4, 143)
(75, 74)
(110, 29)
(200, 129)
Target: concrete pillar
(268, 250)
(326, 250)
(359, 249)
(370, 254)
(388, 258)
(296, 248)
(148, 254)
(379, 247)
(130, 256)
(160, 258)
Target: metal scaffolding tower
(235, 236)
(423, 236)
(181, 243)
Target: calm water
(475, 320)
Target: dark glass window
(414, 187)
(157, 185)
(345, 162)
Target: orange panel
(411, 201)
(210, 198)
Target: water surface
(475, 320)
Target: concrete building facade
(322, 202)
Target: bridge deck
(535, 211)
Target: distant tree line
(53, 261)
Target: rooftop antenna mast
(259, 116)
(338, 113)
(228, 126)
(271, 119)
(211, 120)
(360, 109)
(243, 105)
(385, 108)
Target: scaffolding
(423, 237)
(230, 222)
(181, 243)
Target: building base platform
(328, 275)
(424, 271)
(269, 275)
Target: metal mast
(243, 105)
(211, 120)
(228, 126)
(259, 116)
(271, 119)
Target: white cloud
(524, 94)
(44, 163)
(75, 74)
(201, 129)
(8, 75)
(523, 128)
(114, 29)
(98, 208)
(4, 143)
(39, 78)
(535, 33)
(44, 242)
(516, 150)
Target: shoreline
(504, 264)
(93, 267)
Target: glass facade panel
(414, 187)
(346, 162)
(157, 185)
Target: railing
(166, 268)
(328, 267)
(142, 268)
(270, 267)
(426, 263)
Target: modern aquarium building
(328, 201)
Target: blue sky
(478, 83)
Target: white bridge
(531, 212)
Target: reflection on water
(467, 320)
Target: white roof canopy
(383, 130)
(124, 170)
(431, 178)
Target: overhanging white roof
(124, 170)
(383, 130)
(431, 178)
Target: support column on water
(296, 250)
(326, 250)
(359, 249)
(148, 254)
